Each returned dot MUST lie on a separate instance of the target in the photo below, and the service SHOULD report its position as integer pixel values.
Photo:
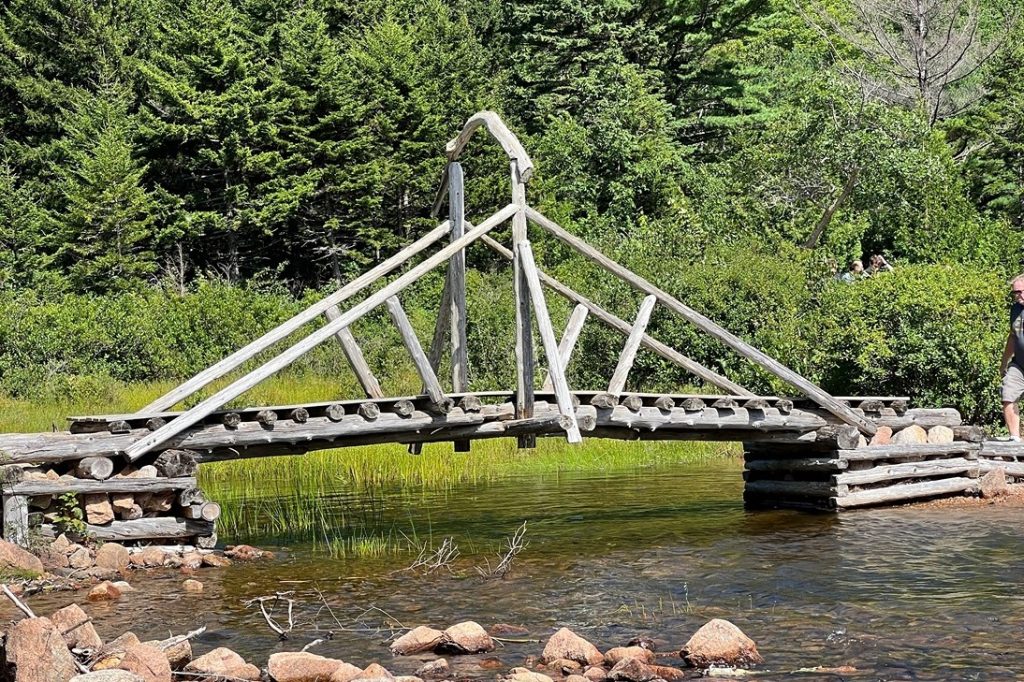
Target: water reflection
(899, 593)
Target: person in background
(1013, 360)
(878, 264)
(855, 272)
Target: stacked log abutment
(103, 498)
(915, 455)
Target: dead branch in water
(17, 602)
(516, 544)
(273, 624)
(443, 557)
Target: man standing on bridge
(1013, 372)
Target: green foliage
(69, 517)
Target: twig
(17, 602)
(514, 641)
(174, 641)
(516, 545)
(281, 632)
(315, 642)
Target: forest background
(178, 176)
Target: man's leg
(1012, 418)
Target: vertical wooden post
(16, 519)
(636, 335)
(355, 357)
(524, 327)
(565, 347)
(437, 341)
(457, 286)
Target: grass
(285, 497)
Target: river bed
(900, 594)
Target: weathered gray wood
(113, 485)
(1011, 468)
(119, 426)
(664, 403)
(470, 403)
(633, 402)
(457, 278)
(208, 541)
(154, 423)
(906, 491)
(693, 404)
(569, 337)
(209, 511)
(152, 528)
(231, 420)
(628, 354)
(190, 496)
(522, 166)
(707, 325)
(524, 327)
(784, 489)
(280, 332)
(368, 411)
(266, 418)
(883, 452)
(299, 414)
(403, 408)
(335, 412)
(547, 335)
(415, 350)
(236, 388)
(893, 472)
(970, 433)
(798, 465)
(97, 468)
(176, 463)
(624, 327)
(354, 354)
(441, 329)
(995, 448)
(16, 519)
(604, 401)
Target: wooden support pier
(134, 474)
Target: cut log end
(335, 412)
(369, 411)
(299, 415)
(266, 418)
(404, 408)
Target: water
(900, 594)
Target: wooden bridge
(801, 451)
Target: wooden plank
(547, 335)
(437, 341)
(522, 166)
(704, 323)
(906, 491)
(621, 325)
(111, 485)
(371, 387)
(278, 333)
(891, 472)
(240, 386)
(412, 345)
(565, 347)
(524, 326)
(457, 280)
(792, 488)
(882, 452)
(154, 528)
(628, 354)
(801, 465)
(16, 519)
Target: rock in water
(103, 592)
(74, 624)
(438, 669)
(567, 644)
(303, 666)
(12, 556)
(466, 638)
(993, 484)
(631, 670)
(719, 642)
(417, 640)
(526, 675)
(36, 652)
(613, 656)
(224, 662)
(147, 662)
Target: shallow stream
(900, 594)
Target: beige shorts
(1013, 384)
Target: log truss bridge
(801, 451)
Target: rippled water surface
(900, 594)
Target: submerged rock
(437, 669)
(246, 553)
(417, 640)
(302, 666)
(506, 630)
(719, 642)
(105, 591)
(36, 652)
(567, 644)
(192, 586)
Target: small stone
(122, 502)
(564, 666)
(940, 435)
(80, 558)
(595, 673)
(613, 656)
(911, 435)
(302, 666)
(466, 638)
(244, 553)
(150, 557)
(131, 514)
(669, 674)
(193, 586)
(105, 591)
(113, 556)
(13, 556)
(994, 484)
(883, 436)
(437, 669)
(631, 670)
(525, 675)
(76, 627)
(192, 560)
(419, 639)
(216, 560)
(36, 650)
(147, 662)
(124, 586)
(98, 510)
(719, 642)
(567, 644)
(102, 573)
(223, 662)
